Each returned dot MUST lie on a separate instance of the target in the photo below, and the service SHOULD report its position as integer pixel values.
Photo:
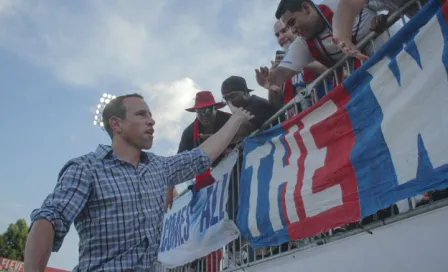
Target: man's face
(206, 116)
(304, 23)
(137, 128)
(237, 98)
(283, 34)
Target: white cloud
(165, 46)
(168, 102)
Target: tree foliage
(12, 242)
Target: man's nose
(151, 121)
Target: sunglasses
(205, 110)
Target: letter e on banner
(326, 194)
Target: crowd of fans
(313, 39)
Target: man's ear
(115, 124)
(306, 8)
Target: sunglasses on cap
(205, 110)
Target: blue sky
(58, 57)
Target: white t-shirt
(299, 56)
(382, 5)
(393, 5)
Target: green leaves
(12, 242)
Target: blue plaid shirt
(116, 208)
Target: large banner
(198, 223)
(380, 137)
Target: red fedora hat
(205, 99)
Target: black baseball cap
(232, 84)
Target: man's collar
(105, 151)
(102, 151)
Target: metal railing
(238, 254)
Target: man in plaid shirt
(115, 195)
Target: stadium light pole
(98, 117)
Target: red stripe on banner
(335, 135)
(300, 163)
(282, 197)
(445, 10)
(288, 151)
(283, 200)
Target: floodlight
(98, 117)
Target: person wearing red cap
(209, 119)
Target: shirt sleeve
(382, 5)
(68, 198)
(186, 165)
(297, 57)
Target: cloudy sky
(58, 57)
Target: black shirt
(261, 109)
(187, 143)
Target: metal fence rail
(238, 254)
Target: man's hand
(348, 48)
(240, 113)
(169, 199)
(263, 78)
(379, 23)
(218, 142)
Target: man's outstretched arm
(296, 59)
(218, 142)
(343, 21)
(186, 165)
(344, 17)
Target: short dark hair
(289, 5)
(115, 108)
